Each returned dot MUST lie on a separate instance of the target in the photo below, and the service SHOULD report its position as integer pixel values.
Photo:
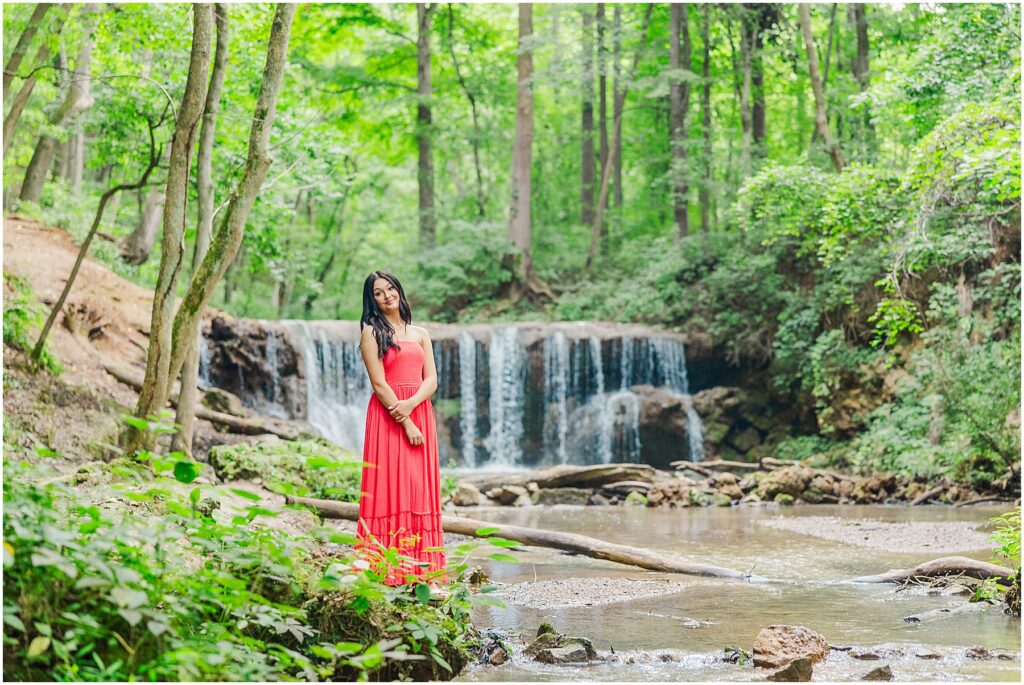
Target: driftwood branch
(943, 566)
(925, 496)
(233, 424)
(569, 542)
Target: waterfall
(271, 352)
(671, 356)
(467, 397)
(506, 360)
(204, 361)
(556, 394)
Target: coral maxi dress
(400, 504)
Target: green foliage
(23, 317)
(312, 468)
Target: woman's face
(386, 295)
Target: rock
(552, 648)
(466, 495)
(532, 487)
(669, 494)
(927, 654)
(865, 654)
(477, 576)
(979, 652)
(880, 673)
(496, 654)
(790, 480)
(207, 505)
(598, 500)
(845, 489)
(752, 498)
(562, 655)
(508, 494)
(720, 499)
(784, 499)
(825, 484)
(913, 491)
(724, 478)
(636, 499)
(798, 671)
(545, 627)
(747, 484)
(578, 496)
(746, 440)
(225, 402)
(778, 645)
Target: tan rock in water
(798, 671)
(778, 645)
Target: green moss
(301, 467)
(784, 499)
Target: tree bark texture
(138, 245)
(78, 99)
(679, 105)
(480, 200)
(746, 85)
(519, 227)
(424, 126)
(821, 115)
(21, 47)
(602, 105)
(188, 397)
(156, 387)
(616, 103)
(705, 110)
(588, 171)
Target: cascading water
(502, 402)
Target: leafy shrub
(23, 317)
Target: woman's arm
(375, 369)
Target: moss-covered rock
(304, 467)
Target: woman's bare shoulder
(421, 333)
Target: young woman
(400, 505)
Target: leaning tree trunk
(138, 245)
(25, 92)
(602, 196)
(943, 566)
(705, 110)
(21, 47)
(231, 227)
(424, 127)
(570, 542)
(679, 105)
(189, 395)
(588, 172)
(158, 377)
(79, 99)
(821, 115)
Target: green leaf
(422, 593)
(39, 644)
(194, 496)
(43, 629)
(131, 615)
(156, 627)
(482, 532)
(504, 557)
(186, 471)
(246, 494)
(502, 542)
(135, 422)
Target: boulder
(798, 671)
(746, 440)
(225, 402)
(790, 480)
(635, 499)
(466, 495)
(510, 495)
(720, 499)
(669, 494)
(578, 496)
(880, 673)
(553, 648)
(778, 645)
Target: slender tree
(616, 104)
(821, 114)
(862, 72)
(705, 110)
(588, 170)
(189, 395)
(25, 92)
(425, 125)
(21, 47)
(679, 105)
(158, 379)
(746, 84)
(78, 99)
(471, 96)
(602, 105)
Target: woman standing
(400, 505)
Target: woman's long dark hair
(383, 331)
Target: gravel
(940, 537)
(578, 592)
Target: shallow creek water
(679, 635)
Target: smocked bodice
(404, 366)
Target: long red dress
(400, 504)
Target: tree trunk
(602, 106)
(138, 245)
(22, 98)
(746, 83)
(424, 127)
(230, 230)
(79, 99)
(519, 223)
(616, 103)
(21, 47)
(821, 116)
(758, 127)
(480, 200)
(861, 71)
(76, 160)
(156, 387)
(705, 109)
(679, 105)
(588, 172)
(188, 397)
(570, 542)
(828, 59)
(602, 196)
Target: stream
(671, 627)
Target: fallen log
(565, 476)
(943, 566)
(927, 495)
(569, 542)
(740, 467)
(982, 500)
(233, 424)
(938, 614)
